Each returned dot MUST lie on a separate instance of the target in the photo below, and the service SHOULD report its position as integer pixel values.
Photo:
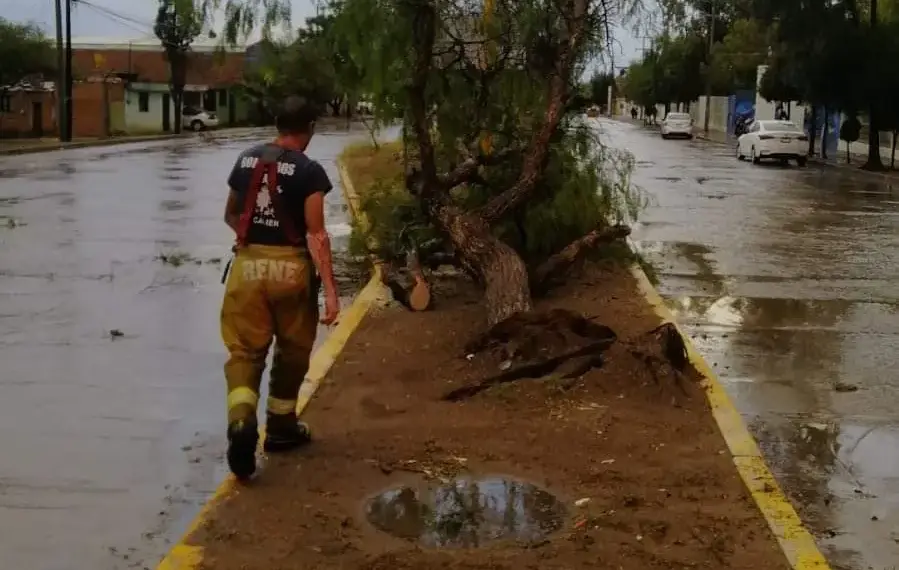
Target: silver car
(677, 125)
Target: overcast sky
(133, 19)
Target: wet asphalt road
(788, 280)
(111, 442)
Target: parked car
(677, 125)
(780, 140)
(198, 119)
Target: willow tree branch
(538, 148)
(469, 167)
(424, 34)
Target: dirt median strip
(621, 464)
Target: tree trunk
(177, 98)
(848, 154)
(825, 132)
(494, 264)
(178, 69)
(812, 130)
(335, 106)
(874, 162)
(893, 153)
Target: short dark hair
(295, 115)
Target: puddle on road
(467, 513)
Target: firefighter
(282, 256)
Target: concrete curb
(795, 540)
(186, 556)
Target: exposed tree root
(566, 345)
(537, 369)
(532, 335)
(536, 344)
(663, 352)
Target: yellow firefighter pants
(271, 292)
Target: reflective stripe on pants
(270, 293)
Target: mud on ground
(663, 492)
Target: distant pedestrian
(779, 113)
(634, 113)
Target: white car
(198, 119)
(779, 140)
(677, 125)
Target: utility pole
(60, 76)
(69, 81)
(708, 69)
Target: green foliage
(850, 130)
(779, 81)
(598, 88)
(835, 53)
(177, 25)
(486, 76)
(297, 68)
(586, 184)
(243, 17)
(315, 65)
(670, 72)
(735, 60)
(24, 51)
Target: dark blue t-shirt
(298, 178)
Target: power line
(116, 14)
(117, 17)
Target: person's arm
(319, 241)
(234, 205)
(233, 209)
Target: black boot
(243, 435)
(285, 433)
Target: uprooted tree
(509, 182)
(502, 169)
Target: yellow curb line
(185, 556)
(797, 543)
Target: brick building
(123, 87)
(136, 75)
(28, 110)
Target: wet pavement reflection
(111, 394)
(467, 512)
(787, 280)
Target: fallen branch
(557, 265)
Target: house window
(5, 103)
(223, 98)
(143, 102)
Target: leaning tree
(485, 91)
(503, 169)
(507, 177)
